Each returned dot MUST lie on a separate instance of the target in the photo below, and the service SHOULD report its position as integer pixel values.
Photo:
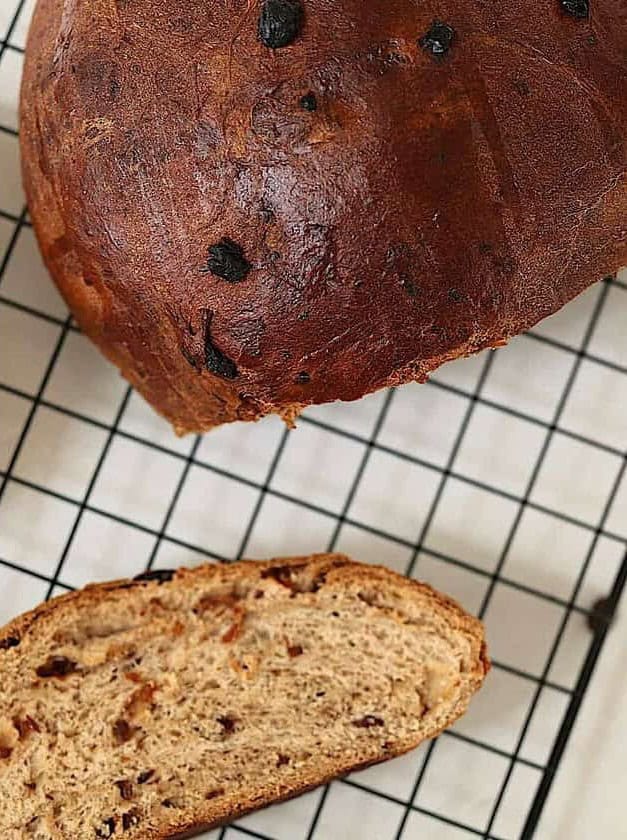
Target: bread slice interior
(140, 709)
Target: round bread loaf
(255, 205)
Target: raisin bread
(257, 205)
(146, 708)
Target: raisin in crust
(151, 708)
(237, 251)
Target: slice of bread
(181, 700)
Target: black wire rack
(374, 494)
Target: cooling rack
(501, 481)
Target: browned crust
(339, 567)
(174, 832)
(338, 570)
(425, 211)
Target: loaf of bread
(257, 205)
(181, 700)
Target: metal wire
(266, 489)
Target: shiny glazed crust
(429, 206)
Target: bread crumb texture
(148, 708)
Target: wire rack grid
(501, 481)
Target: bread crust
(428, 207)
(337, 571)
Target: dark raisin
(126, 788)
(335, 614)
(308, 102)
(216, 361)
(227, 261)
(25, 725)
(213, 794)
(455, 296)
(9, 642)
(320, 693)
(437, 39)
(160, 575)
(146, 776)
(57, 666)
(576, 8)
(227, 723)
(303, 378)
(259, 593)
(368, 721)
(122, 731)
(280, 22)
(294, 650)
(5, 752)
(282, 760)
(107, 829)
(130, 819)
